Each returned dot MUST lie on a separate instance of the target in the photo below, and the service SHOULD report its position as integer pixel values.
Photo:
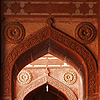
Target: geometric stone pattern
(40, 36)
(70, 77)
(17, 8)
(85, 32)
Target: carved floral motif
(85, 32)
(14, 32)
(70, 77)
(24, 77)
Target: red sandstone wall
(66, 23)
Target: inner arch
(49, 65)
(40, 93)
(47, 46)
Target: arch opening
(49, 65)
(40, 93)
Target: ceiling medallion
(14, 32)
(70, 77)
(24, 77)
(85, 32)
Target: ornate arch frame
(50, 33)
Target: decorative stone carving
(14, 32)
(62, 39)
(29, 8)
(47, 72)
(50, 21)
(24, 77)
(85, 32)
(81, 50)
(51, 81)
(70, 77)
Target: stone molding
(51, 81)
(65, 40)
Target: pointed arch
(49, 33)
(51, 81)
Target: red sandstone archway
(48, 40)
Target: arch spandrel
(83, 52)
(18, 50)
(50, 32)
